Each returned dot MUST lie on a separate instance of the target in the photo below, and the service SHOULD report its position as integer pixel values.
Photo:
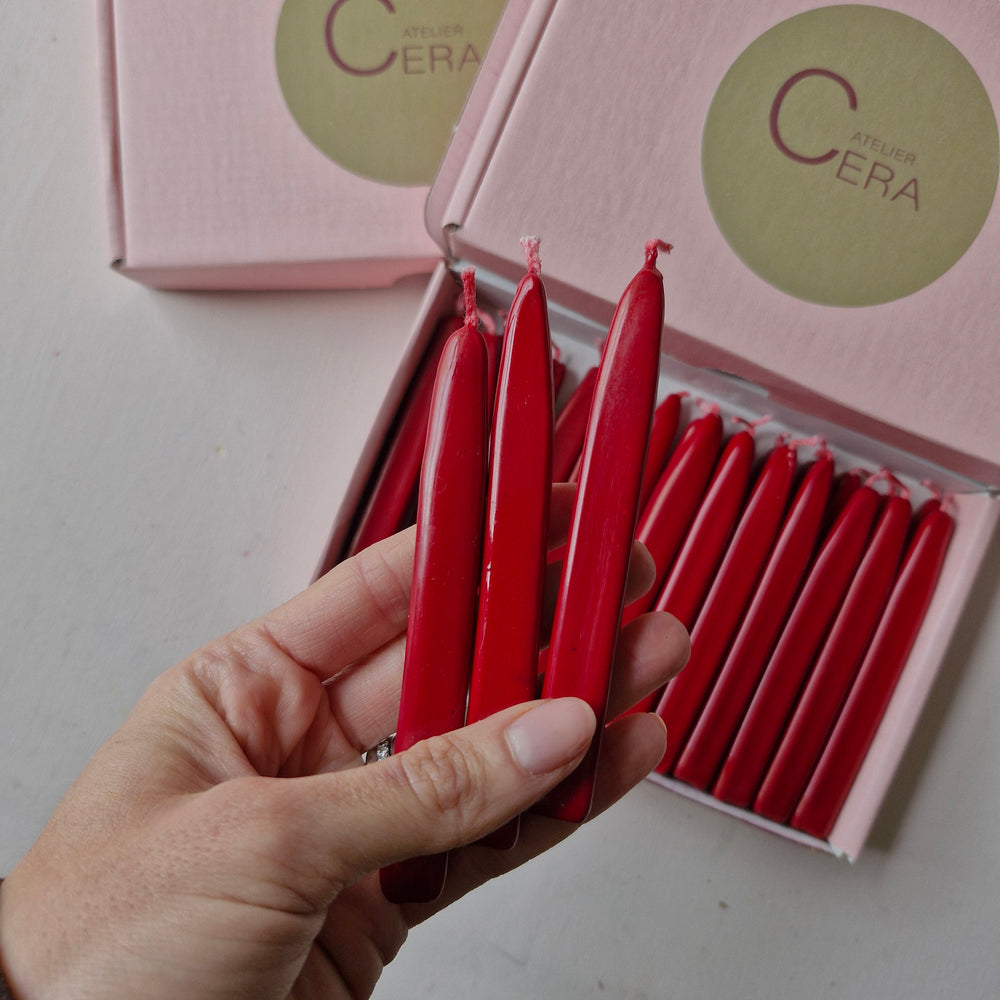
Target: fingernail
(551, 735)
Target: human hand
(225, 842)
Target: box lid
(285, 143)
(590, 129)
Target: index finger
(354, 609)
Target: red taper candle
(571, 426)
(745, 663)
(796, 649)
(666, 420)
(591, 592)
(442, 624)
(836, 666)
(666, 518)
(505, 665)
(390, 503)
(558, 372)
(705, 543)
(876, 680)
(727, 599)
(676, 498)
(844, 487)
(494, 352)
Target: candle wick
(816, 441)
(529, 244)
(896, 488)
(752, 425)
(707, 407)
(469, 291)
(653, 247)
(932, 488)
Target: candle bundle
(482, 524)
(803, 589)
(783, 587)
(801, 621)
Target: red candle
(390, 502)
(442, 624)
(665, 520)
(796, 650)
(883, 663)
(846, 485)
(692, 572)
(747, 658)
(676, 497)
(558, 372)
(666, 420)
(836, 666)
(571, 425)
(494, 351)
(719, 617)
(591, 592)
(504, 668)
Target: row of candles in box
(803, 587)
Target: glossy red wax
(390, 503)
(571, 426)
(724, 606)
(591, 592)
(795, 652)
(442, 624)
(558, 375)
(665, 520)
(691, 574)
(845, 486)
(505, 666)
(745, 662)
(876, 680)
(676, 497)
(666, 420)
(494, 353)
(830, 680)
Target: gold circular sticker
(850, 155)
(377, 85)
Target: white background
(168, 464)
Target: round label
(850, 155)
(378, 84)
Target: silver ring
(381, 750)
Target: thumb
(445, 791)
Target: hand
(225, 841)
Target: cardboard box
(873, 329)
(281, 144)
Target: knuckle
(444, 778)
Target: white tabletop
(169, 463)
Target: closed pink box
(222, 169)
(599, 130)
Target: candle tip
(816, 441)
(932, 488)
(469, 292)
(653, 247)
(895, 487)
(530, 244)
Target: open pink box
(214, 183)
(588, 128)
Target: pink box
(213, 181)
(598, 131)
